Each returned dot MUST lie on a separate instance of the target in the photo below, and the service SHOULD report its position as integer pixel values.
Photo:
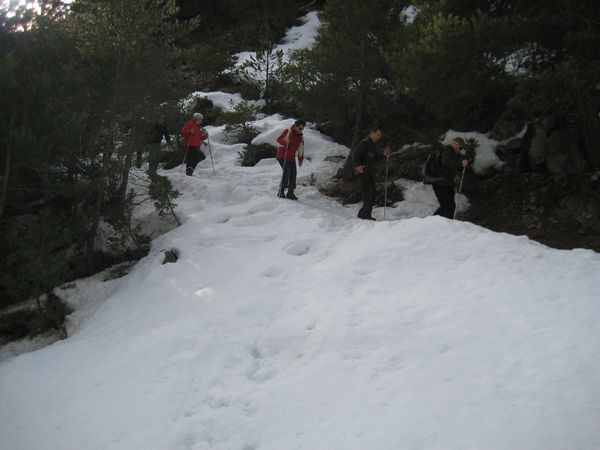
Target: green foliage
(206, 66)
(462, 63)
(470, 147)
(37, 254)
(47, 315)
(75, 91)
(236, 25)
(161, 192)
(252, 154)
(128, 50)
(266, 69)
(343, 79)
(455, 69)
(238, 127)
(125, 236)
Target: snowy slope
(289, 325)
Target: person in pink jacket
(291, 143)
(192, 137)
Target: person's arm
(386, 152)
(187, 129)
(203, 136)
(449, 159)
(357, 156)
(300, 153)
(166, 134)
(281, 140)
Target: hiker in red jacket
(291, 143)
(192, 136)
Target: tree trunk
(126, 170)
(348, 169)
(589, 108)
(4, 193)
(99, 197)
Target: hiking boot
(367, 218)
(281, 193)
(291, 195)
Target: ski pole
(387, 160)
(211, 158)
(281, 188)
(184, 157)
(459, 189)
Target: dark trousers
(192, 158)
(445, 195)
(368, 194)
(290, 173)
(154, 151)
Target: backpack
(432, 169)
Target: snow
(299, 37)
(296, 325)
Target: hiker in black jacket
(446, 188)
(364, 158)
(159, 131)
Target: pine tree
(344, 80)
(455, 69)
(127, 51)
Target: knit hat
(460, 141)
(198, 116)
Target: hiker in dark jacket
(446, 188)
(364, 158)
(159, 131)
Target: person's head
(198, 118)
(300, 124)
(160, 119)
(375, 134)
(458, 144)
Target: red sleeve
(186, 129)
(281, 138)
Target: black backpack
(432, 169)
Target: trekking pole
(211, 158)
(387, 160)
(459, 189)
(184, 157)
(283, 167)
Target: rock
(563, 156)
(335, 159)
(548, 124)
(171, 256)
(509, 124)
(538, 150)
(514, 145)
